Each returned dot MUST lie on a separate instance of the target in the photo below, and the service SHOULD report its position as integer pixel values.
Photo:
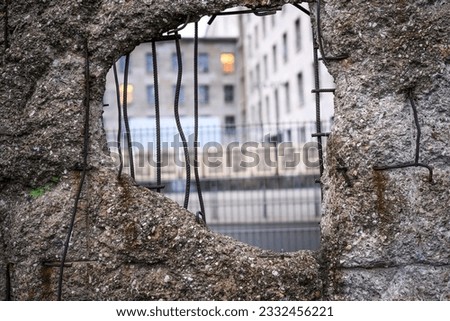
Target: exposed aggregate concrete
(386, 237)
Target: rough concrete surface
(386, 237)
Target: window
(130, 90)
(274, 57)
(250, 44)
(301, 96)
(256, 36)
(264, 26)
(266, 72)
(258, 77)
(228, 91)
(251, 114)
(298, 35)
(149, 62)
(285, 47)
(289, 135)
(268, 108)
(277, 102)
(174, 62)
(181, 99)
(203, 94)
(302, 134)
(203, 62)
(230, 125)
(288, 97)
(227, 60)
(150, 94)
(260, 112)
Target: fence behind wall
(258, 181)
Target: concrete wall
(127, 242)
(386, 236)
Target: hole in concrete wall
(258, 163)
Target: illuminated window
(227, 60)
(130, 90)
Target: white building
(278, 73)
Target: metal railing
(258, 181)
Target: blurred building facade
(277, 70)
(218, 78)
(253, 70)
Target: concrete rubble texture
(387, 235)
(384, 237)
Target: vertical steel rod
(416, 121)
(125, 115)
(119, 117)
(196, 143)
(8, 294)
(157, 117)
(177, 120)
(318, 120)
